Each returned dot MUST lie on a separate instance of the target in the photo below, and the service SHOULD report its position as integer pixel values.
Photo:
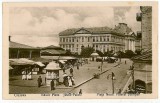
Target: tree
(129, 53)
(138, 52)
(100, 53)
(68, 52)
(87, 51)
(108, 53)
(120, 54)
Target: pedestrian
(39, 81)
(80, 91)
(125, 62)
(45, 80)
(77, 66)
(69, 81)
(72, 79)
(65, 79)
(23, 75)
(52, 85)
(119, 91)
(71, 72)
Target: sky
(40, 26)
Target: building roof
(15, 45)
(52, 66)
(145, 56)
(122, 29)
(94, 30)
(52, 47)
(53, 51)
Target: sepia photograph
(80, 50)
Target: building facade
(143, 63)
(105, 39)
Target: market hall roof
(15, 45)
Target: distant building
(105, 39)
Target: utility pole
(133, 77)
(113, 78)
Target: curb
(86, 80)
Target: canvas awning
(58, 57)
(94, 54)
(21, 61)
(40, 64)
(10, 68)
(62, 61)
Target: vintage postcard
(80, 50)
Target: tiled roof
(145, 56)
(122, 30)
(21, 46)
(53, 51)
(118, 30)
(52, 47)
(94, 30)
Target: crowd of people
(68, 80)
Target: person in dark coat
(71, 72)
(52, 85)
(39, 81)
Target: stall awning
(40, 64)
(59, 57)
(94, 54)
(62, 61)
(10, 68)
(21, 61)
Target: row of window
(104, 47)
(92, 39)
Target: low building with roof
(105, 39)
(18, 50)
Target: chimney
(9, 38)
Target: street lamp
(132, 73)
(113, 78)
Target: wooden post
(18, 54)
(30, 54)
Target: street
(85, 72)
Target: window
(66, 39)
(69, 39)
(100, 39)
(104, 39)
(97, 39)
(82, 39)
(77, 39)
(107, 38)
(93, 39)
(72, 39)
(88, 39)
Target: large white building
(105, 39)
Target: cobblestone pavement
(85, 72)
